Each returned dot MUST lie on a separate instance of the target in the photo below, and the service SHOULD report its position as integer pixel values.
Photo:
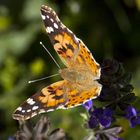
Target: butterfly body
(80, 77)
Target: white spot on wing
(55, 25)
(19, 108)
(50, 110)
(35, 107)
(48, 16)
(52, 20)
(43, 17)
(61, 107)
(49, 29)
(30, 101)
(23, 111)
(29, 110)
(42, 111)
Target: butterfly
(80, 76)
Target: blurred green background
(110, 28)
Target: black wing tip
(19, 117)
(45, 8)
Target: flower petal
(88, 105)
(93, 122)
(134, 121)
(105, 121)
(130, 112)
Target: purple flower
(93, 121)
(132, 116)
(88, 105)
(100, 116)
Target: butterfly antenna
(32, 81)
(50, 55)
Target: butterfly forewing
(60, 36)
(79, 84)
(70, 48)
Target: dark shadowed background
(110, 29)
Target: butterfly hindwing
(59, 95)
(48, 99)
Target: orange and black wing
(48, 99)
(71, 49)
(59, 95)
(75, 55)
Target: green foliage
(109, 28)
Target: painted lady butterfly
(80, 76)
